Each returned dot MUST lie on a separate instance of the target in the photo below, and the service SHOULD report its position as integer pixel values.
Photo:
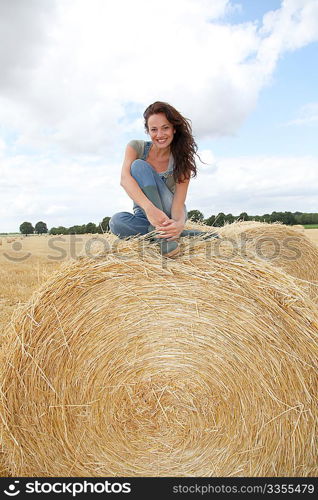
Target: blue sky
(251, 10)
(266, 131)
(76, 77)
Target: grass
(10, 234)
(311, 226)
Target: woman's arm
(129, 184)
(179, 198)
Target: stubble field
(26, 262)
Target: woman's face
(161, 131)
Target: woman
(156, 175)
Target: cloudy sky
(76, 76)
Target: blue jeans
(125, 224)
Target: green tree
(304, 219)
(91, 228)
(77, 229)
(210, 220)
(308, 218)
(266, 218)
(59, 230)
(40, 227)
(219, 219)
(297, 216)
(288, 218)
(103, 226)
(26, 228)
(275, 217)
(243, 216)
(195, 215)
(229, 218)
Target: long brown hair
(183, 147)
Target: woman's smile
(161, 130)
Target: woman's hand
(156, 216)
(170, 229)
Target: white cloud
(64, 193)
(3, 147)
(292, 26)
(75, 193)
(24, 34)
(76, 76)
(308, 114)
(256, 185)
(81, 62)
(56, 210)
(208, 160)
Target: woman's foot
(167, 248)
(194, 232)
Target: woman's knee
(125, 224)
(116, 223)
(139, 167)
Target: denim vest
(166, 176)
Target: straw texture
(131, 364)
(283, 246)
(299, 227)
(3, 471)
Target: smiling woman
(156, 175)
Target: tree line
(41, 228)
(288, 218)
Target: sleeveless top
(142, 149)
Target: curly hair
(183, 147)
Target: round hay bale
(3, 470)
(299, 227)
(134, 365)
(282, 245)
